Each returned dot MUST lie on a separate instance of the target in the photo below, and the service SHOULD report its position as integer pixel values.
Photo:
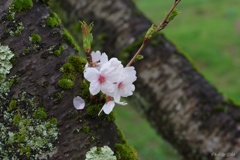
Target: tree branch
(179, 103)
(38, 71)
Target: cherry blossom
(125, 85)
(98, 59)
(109, 77)
(101, 80)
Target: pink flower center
(101, 79)
(120, 85)
(108, 99)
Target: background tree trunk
(38, 70)
(179, 103)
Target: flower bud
(87, 36)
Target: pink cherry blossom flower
(78, 103)
(101, 80)
(116, 64)
(125, 87)
(111, 78)
(98, 59)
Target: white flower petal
(116, 96)
(104, 58)
(128, 90)
(121, 103)
(91, 74)
(78, 103)
(94, 87)
(132, 87)
(129, 75)
(107, 88)
(106, 68)
(113, 76)
(115, 62)
(108, 107)
(96, 56)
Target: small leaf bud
(172, 15)
(150, 32)
(139, 57)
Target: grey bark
(176, 99)
(39, 72)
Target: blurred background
(208, 33)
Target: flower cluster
(111, 78)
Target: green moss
(69, 76)
(121, 136)
(53, 20)
(35, 38)
(61, 47)
(11, 16)
(13, 80)
(221, 108)
(40, 114)
(47, 2)
(85, 129)
(68, 68)
(67, 37)
(22, 5)
(53, 121)
(58, 96)
(12, 104)
(59, 51)
(84, 86)
(17, 118)
(74, 65)
(126, 152)
(111, 117)
(78, 63)
(26, 151)
(26, 50)
(65, 83)
(18, 29)
(93, 110)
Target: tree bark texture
(39, 72)
(176, 99)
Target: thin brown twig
(160, 27)
(164, 23)
(137, 53)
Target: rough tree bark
(38, 70)
(179, 103)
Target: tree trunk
(179, 103)
(38, 70)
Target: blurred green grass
(209, 33)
